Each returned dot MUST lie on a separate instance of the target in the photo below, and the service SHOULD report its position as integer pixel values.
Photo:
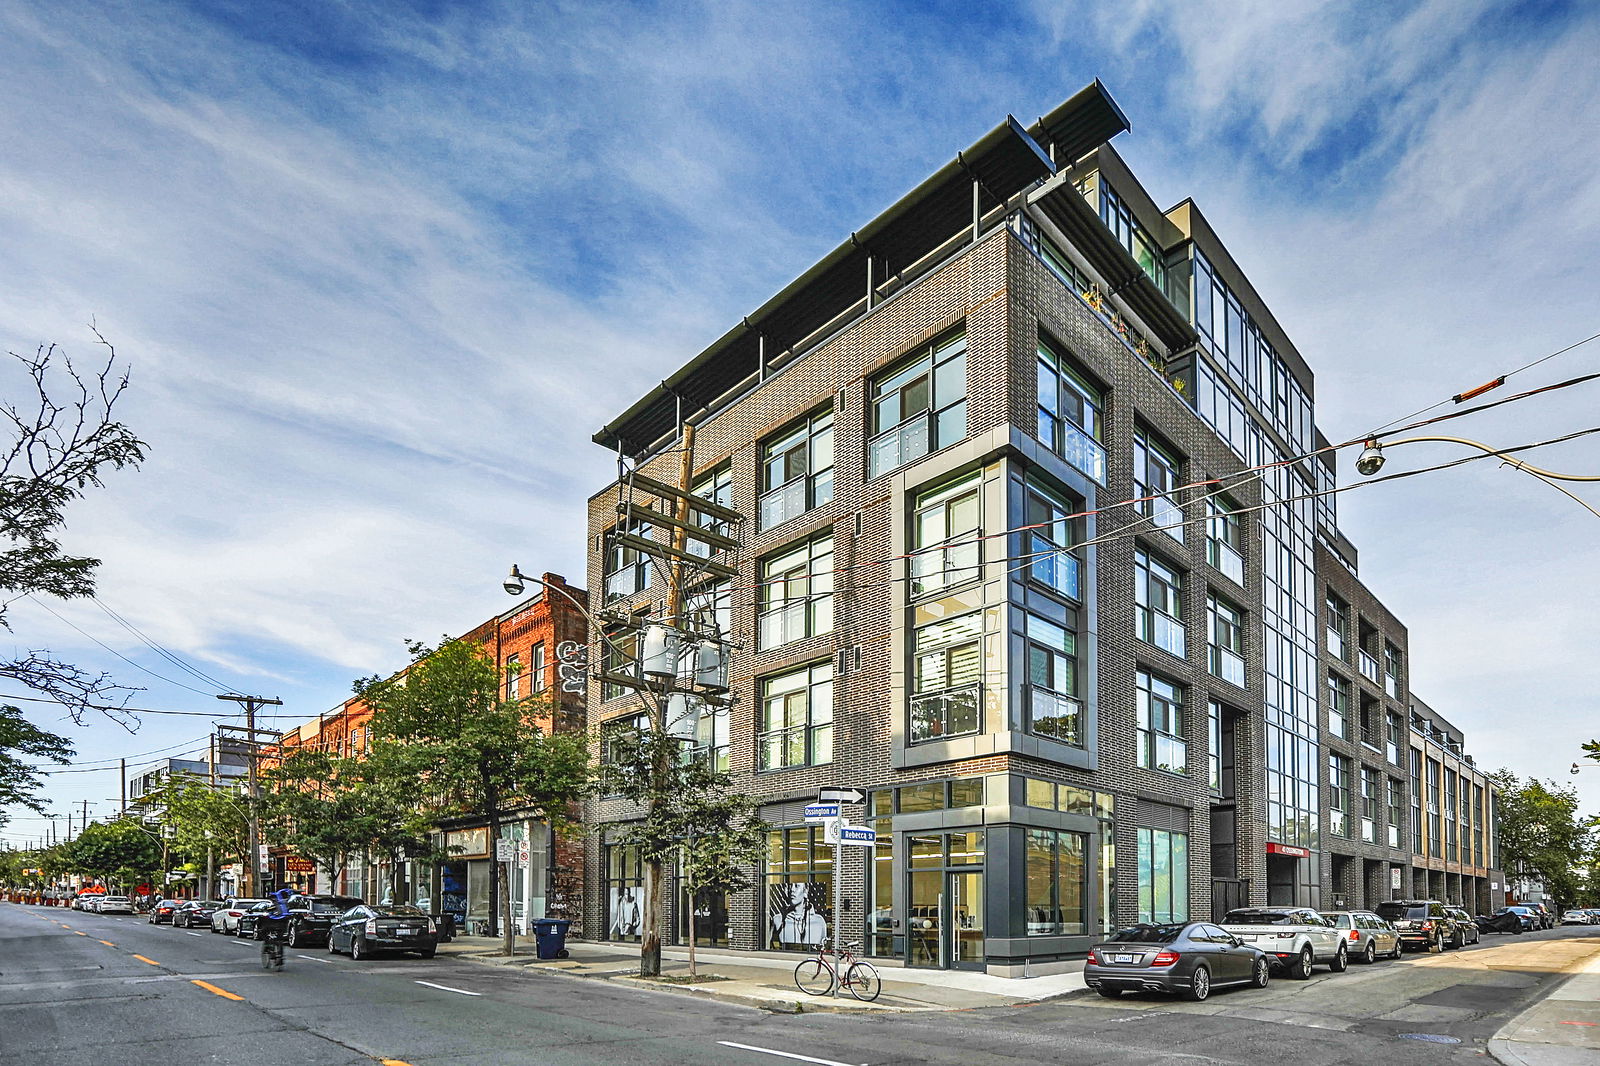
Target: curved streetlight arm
(1518, 463)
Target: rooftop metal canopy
(1004, 162)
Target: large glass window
(797, 593)
(919, 406)
(513, 676)
(710, 743)
(1162, 733)
(1371, 803)
(1225, 655)
(626, 567)
(1051, 531)
(538, 679)
(621, 659)
(1163, 876)
(797, 470)
(1391, 743)
(1158, 600)
(946, 548)
(1057, 882)
(1397, 804)
(1338, 628)
(1339, 693)
(715, 485)
(947, 685)
(1155, 483)
(1392, 683)
(624, 892)
(1225, 538)
(1450, 816)
(1119, 218)
(1053, 707)
(1416, 801)
(1070, 407)
(797, 718)
(1338, 795)
(799, 882)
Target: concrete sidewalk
(768, 981)
(1562, 1029)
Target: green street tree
(121, 852)
(473, 751)
(203, 817)
(1541, 832)
(21, 740)
(691, 814)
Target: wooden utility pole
(252, 866)
(654, 874)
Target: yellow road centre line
(152, 962)
(108, 943)
(214, 990)
(393, 1062)
(80, 934)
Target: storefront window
(1057, 882)
(624, 893)
(799, 882)
(1163, 876)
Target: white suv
(1294, 938)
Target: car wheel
(356, 954)
(1399, 949)
(331, 949)
(1370, 956)
(1261, 974)
(1302, 966)
(294, 936)
(1199, 984)
(1110, 993)
(1341, 959)
(430, 953)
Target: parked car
(1527, 915)
(245, 926)
(1504, 921)
(1466, 930)
(1181, 958)
(311, 918)
(114, 905)
(1366, 935)
(1577, 917)
(1294, 938)
(194, 912)
(87, 901)
(163, 910)
(225, 919)
(1541, 911)
(1421, 923)
(367, 929)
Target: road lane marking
(313, 958)
(447, 988)
(108, 943)
(393, 1062)
(80, 933)
(192, 934)
(152, 962)
(223, 992)
(782, 1054)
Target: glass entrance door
(965, 918)
(925, 940)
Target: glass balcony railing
(1083, 452)
(783, 503)
(1391, 685)
(783, 624)
(1228, 561)
(1227, 665)
(1053, 566)
(1369, 667)
(1050, 714)
(897, 447)
(949, 712)
(941, 568)
(1163, 631)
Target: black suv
(1421, 923)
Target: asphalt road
(78, 988)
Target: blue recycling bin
(550, 937)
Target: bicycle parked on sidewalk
(818, 976)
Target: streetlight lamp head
(1576, 767)
(1371, 460)
(514, 583)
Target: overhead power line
(114, 651)
(171, 657)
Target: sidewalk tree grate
(1431, 1038)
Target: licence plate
(1122, 958)
(1248, 937)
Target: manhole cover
(1431, 1038)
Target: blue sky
(367, 259)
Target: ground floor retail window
(710, 920)
(1058, 882)
(799, 889)
(1163, 876)
(624, 891)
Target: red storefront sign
(1289, 849)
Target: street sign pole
(838, 899)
